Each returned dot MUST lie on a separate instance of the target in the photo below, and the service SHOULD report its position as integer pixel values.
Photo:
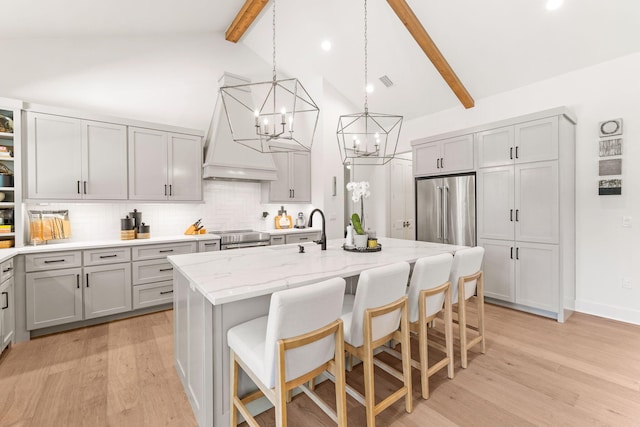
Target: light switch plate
(626, 221)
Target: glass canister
(372, 241)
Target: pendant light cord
(366, 98)
(274, 41)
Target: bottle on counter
(348, 241)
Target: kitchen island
(215, 291)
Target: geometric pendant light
(368, 138)
(272, 116)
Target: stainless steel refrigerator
(446, 209)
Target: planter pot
(360, 240)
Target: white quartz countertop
(234, 275)
(70, 246)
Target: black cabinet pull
(85, 187)
(166, 292)
(108, 256)
(165, 251)
(87, 280)
(438, 163)
(78, 281)
(7, 270)
(511, 153)
(211, 244)
(78, 187)
(294, 193)
(49, 261)
(511, 256)
(510, 214)
(304, 238)
(517, 212)
(517, 253)
(516, 151)
(441, 162)
(165, 189)
(171, 189)
(6, 304)
(166, 269)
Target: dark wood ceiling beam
(409, 19)
(243, 20)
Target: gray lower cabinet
(107, 290)
(277, 240)
(54, 297)
(209, 246)
(7, 318)
(302, 237)
(152, 294)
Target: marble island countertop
(234, 275)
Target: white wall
(606, 252)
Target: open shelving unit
(10, 193)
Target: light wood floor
(535, 372)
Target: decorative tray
(378, 248)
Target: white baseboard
(609, 311)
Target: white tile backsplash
(227, 205)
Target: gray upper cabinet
(71, 159)
(451, 155)
(294, 178)
(164, 166)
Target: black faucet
(323, 236)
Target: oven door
(243, 245)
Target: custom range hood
(226, 159)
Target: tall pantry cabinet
(526, 212)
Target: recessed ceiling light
(326, 45)
(554, 4)
(370, 88)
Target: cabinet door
(426, 159)
(107, 290)
(499, 269)
(401, 200)
(8, 312)
(537, 276)
(495, 195)
(280, 189)
(185, 167)
(180, 327)
(53, 298)
(104, 153)
(537, 140)
(457, 154)
(537, 205)
(147, 164)
(209, 246)
(300, 175)
(54, 157)
(495, 147)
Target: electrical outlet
(626, 221)
(626, 283)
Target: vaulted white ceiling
(493, 45)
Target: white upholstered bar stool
(377, 314)
(301, 337)
(466, 277)
(429, 294)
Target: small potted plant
(360, 191)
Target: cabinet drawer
(209, 245)
(150, 271)
(152, 294)
(302, 237)
(161, 251)
(277, 240)
(106, 256)
(52, 260)
(6, 270)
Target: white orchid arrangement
(360, 191)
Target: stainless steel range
(234, 239)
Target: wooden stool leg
(281, 390)
(424, 358)
(480, 298)
(369, 394)
(448, 331)
(339, 374)
(462, 322)
(233, 421)
(406, 357)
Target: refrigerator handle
(439, 213)
(445, 208)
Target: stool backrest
(298, 311)
(378, 287)
(428, 273)
(465, 263)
